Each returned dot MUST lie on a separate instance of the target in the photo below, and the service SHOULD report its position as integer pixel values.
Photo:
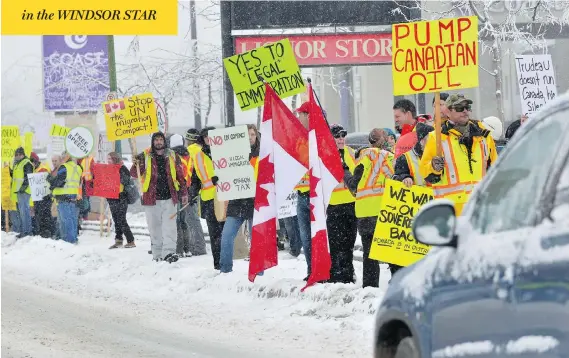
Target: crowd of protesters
(177, 179)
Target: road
(42, 323)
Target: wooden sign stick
(438, 123)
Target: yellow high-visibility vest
(413, 161)
(72, 180)
(303, 185)
(148, 170)
(18, 178)
(205, 171)
(341, 194)
(377, 167)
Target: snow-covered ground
(329, 320)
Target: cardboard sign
(10, 142)
(289, 208)
(275, 62)
(79, 142)
(536, 80)
(7, 202)
(393, 241)
(106, 182)
(130, 117)
(58, 131)
(39, 186)
(434, 56)
(161, 117)
(230, 150)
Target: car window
(561, 204)
(508, 198)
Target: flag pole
(309, 80)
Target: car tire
(407, 349)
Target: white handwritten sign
(39, 186)
(79, 142)
(230, 155)
(536, 80)
(289, 207)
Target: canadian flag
(326, 172)
(114, 106)
(283, 160)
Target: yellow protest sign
(10, 142)
(7, 202)
(434, 56)
(58, 131)
(275, 63)
(130, 117)
(393, 241)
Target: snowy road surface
(43, 323)
(62, 300)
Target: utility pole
(113, 77)
(227, 51)
(196, 86)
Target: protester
(119, 206)
(176, 143)
(407, 167)
(239, 210)
(197, 238)
(163, 181)
(42, 209)
(65, 185)
(404, 114)
(468, 151)
(21, 190)
(203, 184)
(341, 221)
(303, 201)
(374, 166)
(391, 140)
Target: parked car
(357, 140)
(496, 282)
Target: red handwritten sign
(106, 180)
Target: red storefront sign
(328, 49)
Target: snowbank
(191, 289)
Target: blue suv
(496, 282)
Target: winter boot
(116, 245)
(129, 245)
(171, 258)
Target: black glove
(438, 163)
(214, 179)
(345, 166)
(193, 201)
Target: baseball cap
(34, 157)
(455, 99)
(304, 108)
(338, 129)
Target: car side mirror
(435, 224)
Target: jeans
(230, 230)
(197, 238)
(25, 214)
(68, 217)
(293, 233)
(303, 217)
(15, 225)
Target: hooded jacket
(149, 197)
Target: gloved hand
(214, 179)
(438, 163)
(193, 201)
(345, 166)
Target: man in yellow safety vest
(468, 151)
(21, 190)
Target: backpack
(132, 193)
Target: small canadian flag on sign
(114, 106)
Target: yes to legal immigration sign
(433, 56)
(275, 62)
(101, 17)
(130, 117)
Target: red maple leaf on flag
(264, 177)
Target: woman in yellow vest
(119, 206)
(373, 167)
(240, 210)
(341, 219)
(204, 181)
(43, 222)
(21, 190)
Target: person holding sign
(21, 190)
(467, 152)
(203, 184)
(239, 210)
(368, 182)
(119, 206)
(162, 183)
(43, 222)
